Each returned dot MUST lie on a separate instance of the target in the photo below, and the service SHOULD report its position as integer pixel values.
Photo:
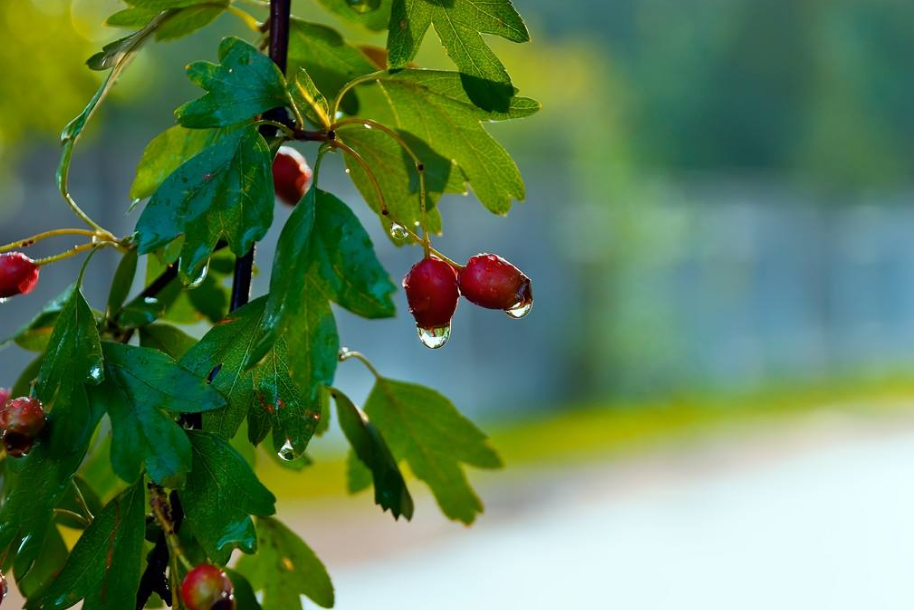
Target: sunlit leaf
(424, 428)
(285, 568)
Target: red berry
(431, 290)
(4, 396)
(21, 421)
(207, 587)
(291, 175)
(4, 588)
(492, 282)
(18, 274)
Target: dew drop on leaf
(364, 6)
(95, 374)
(398, 231)
(195, 282)
(434, 338)
(287, 452)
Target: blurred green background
(718, 226)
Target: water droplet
(4, 300)
(195, 282)
(96, 374)
(287, 452)
(398, 231)
(345, 354)
(521, 309)
(434, 338)
(364, 6)
(133, 204)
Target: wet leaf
(424, 428)
(104, 567)
(225, 192)
(432, 106)
(244, 84)
(309, 100)
(281, 393)
(329, 59)
(166, 153)
(285, 568)
(221, 494)
(460, 25)
(143, 387)
(168, 339)
(369, 447)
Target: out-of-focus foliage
(41, 57)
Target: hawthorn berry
(21, 421)
(207, 587)
(4, 588)
(492, 282)
(4, 396)
(18, 274)
(291, 175)
(432, 294)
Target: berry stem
(290, 133)
(29, 241)
(364, 165)
(83, 521)
(74, 251)
(420, 167)
(349, 354)
(248, 19)
(352, 85)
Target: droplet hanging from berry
(491, 282)
(432, 294)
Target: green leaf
(322, 233)
(179, 23)
(161, 5)
(122, 282)
(368, 444)
(222, 493)
(142, 385)
(346, 261)
(309, 100)
(424, 428)
(74, 351)
(244, 592)
(35, 335)
(115, 53)
(226, 191)
(191, 19)
(376, 19)
(434, 107)
(131, 17)
(50, 562)
(285, 568)
(244, 84)
(396, 173)
(329, 59)
(24, 384)
(165, 338)
(286, 302)
(166, 153)
(104, 567)
(281, 393)
(459, 24)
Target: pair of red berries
(207, 587)
(433, 288)
(291, 175)
(18, 274)
(21, 421)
